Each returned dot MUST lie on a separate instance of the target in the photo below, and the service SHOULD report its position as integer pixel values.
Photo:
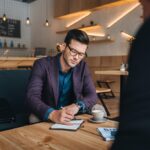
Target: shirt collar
(60, 68)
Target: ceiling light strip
(77, 20)
(127, 36)
(122, 15)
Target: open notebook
(75, 125)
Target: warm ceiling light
(27, 21)
(113, 4)
(46, 23)
(122, 15)
(78, 19)
(95, 30)
(4, 17)
(127, 36)
(96, 34)
(73, 15)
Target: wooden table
(39, 137)
(112, 72)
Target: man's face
(74, 53)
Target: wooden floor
(112, 105)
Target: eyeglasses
(74, 52)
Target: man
(134, 128)
(61, 86)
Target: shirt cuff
(50, 110)
(82, 105)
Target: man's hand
(60, 47)
(61, 116)
(72, 109)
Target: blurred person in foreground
(61, 86)
(134, 127)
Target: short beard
(66, 60)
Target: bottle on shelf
(5, 43)
(11, 44)
(1, 44)
(18, 45)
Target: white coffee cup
(97, 114)
(123, 67)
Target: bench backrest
(13, 84)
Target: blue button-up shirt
(66, 94)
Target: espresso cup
(97, 115)
(122, 67)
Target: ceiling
(26, 1)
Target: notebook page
(75, 125)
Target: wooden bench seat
(106, 83)
(102, 90)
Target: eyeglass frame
(75, 52)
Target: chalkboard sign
(10, 28)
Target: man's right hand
(61, 116)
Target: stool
(106, 83)
(100, 91)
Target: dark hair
(78, 35)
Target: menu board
(10, 28)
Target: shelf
(82, 28)
(61, 32)
(75, 14)
(13, 48)
(92, 27)
(92, 30)
(10, 58)
(101, 41)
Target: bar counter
(16, 62)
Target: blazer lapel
(76, 83)
(53, 72)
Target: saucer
(97, 121)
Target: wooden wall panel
(111, 61)
(93, 61)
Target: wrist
(78, 105)
(82, 106)
(51, 115)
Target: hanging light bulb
(4, 17)
(27, 21)
(46, 23)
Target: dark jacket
(134, 128)
(43, 87)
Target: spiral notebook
(75, 125)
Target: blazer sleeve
(89, 91)
(34, 90)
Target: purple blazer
(43, 86)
